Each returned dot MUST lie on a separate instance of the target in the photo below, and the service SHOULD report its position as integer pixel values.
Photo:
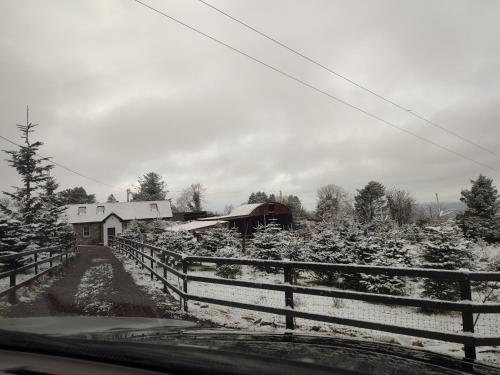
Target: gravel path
(95, 283)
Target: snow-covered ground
(94, 283)
(257, 321)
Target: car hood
(167, 342)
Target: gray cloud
(119, 91)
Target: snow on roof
(193, 225)
(243, 210)
(97, 212)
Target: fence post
(12, 294)
(288, 273)
(151, 263)
(185, 283)
(467, 315)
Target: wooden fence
(54, 255)
(153, 257)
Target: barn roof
(125, 210)
(194, 225)
(242, 211)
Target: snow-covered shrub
(228, 271)
(154, 229)
(212, 240)
(445, 248)
(133, 231)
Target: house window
(153, 206)
(100, 210)
(86, 230)
(82, 210)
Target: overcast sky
(119, 90)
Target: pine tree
(52, 228)
(445, 248)
(33, 171)
(228, 271)
(478, 220)
(384, 249)
(151, 188)
(212, 240)
(10, 241)
(268, 242)
(331, 244)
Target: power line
(60, 165)
(347, 79)
(304, 83)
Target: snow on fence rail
(55, 256)
(171, 263)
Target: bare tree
(401, 206)
(333, 203)
(191, 198)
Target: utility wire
(60, 165)
(304, 83)
(351, 81)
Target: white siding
(111, 222)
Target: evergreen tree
(51, 225)
(33, 171)
(445, 248)
(228, 271)
(76, 195)
(332, 244)
(270, 242)
(369, 202)
(134, 231)
(10, 241)
(151, 188)
(478, 220)
(382, 248)
(212, 240)
(111, 199)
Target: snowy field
(264, 322)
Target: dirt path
(94, 283)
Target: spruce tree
(52, 228)
(212, 240)
(478, 220)
(151, 188)
(33, 171)
(445, 248)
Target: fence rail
(53, 254)
(169, 261)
